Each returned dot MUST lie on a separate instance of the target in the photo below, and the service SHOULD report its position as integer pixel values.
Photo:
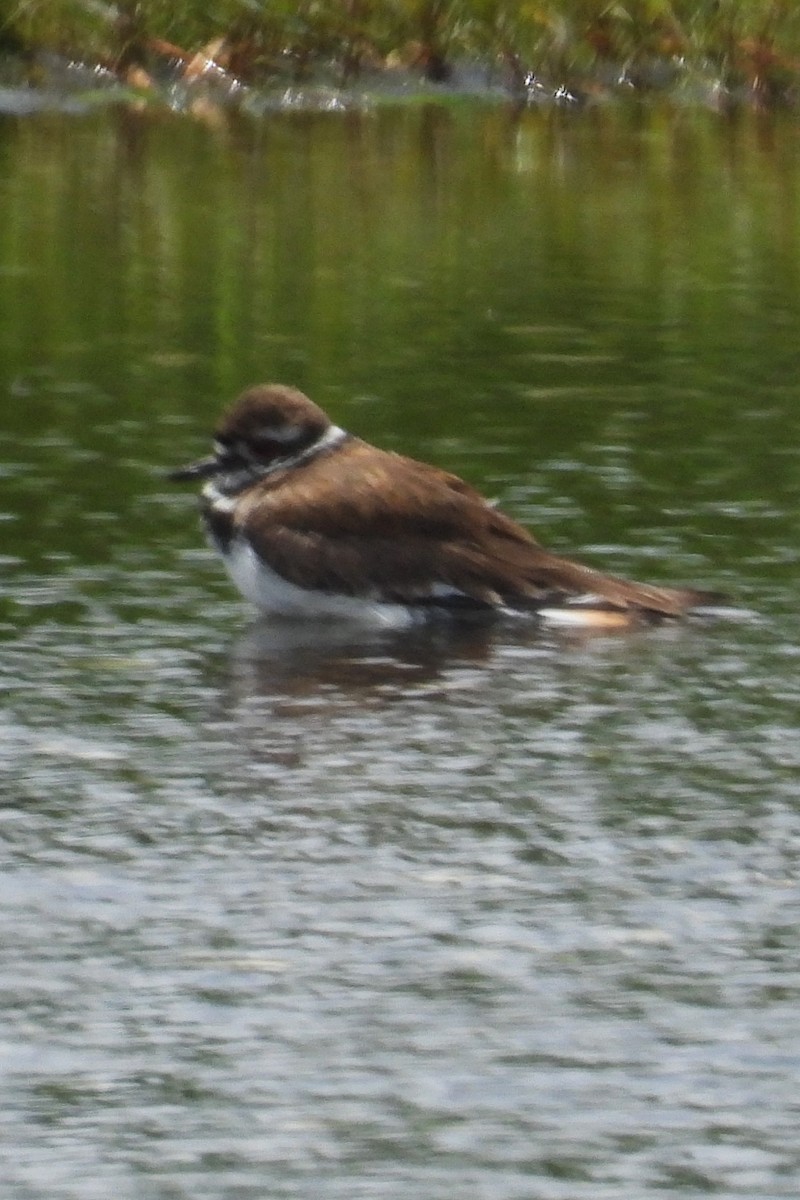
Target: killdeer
(314, 522)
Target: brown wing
(369, 523)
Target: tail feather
(573, 580)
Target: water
(297, 913)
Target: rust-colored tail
(578, 587)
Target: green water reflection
(593, 314)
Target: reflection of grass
(750, 46)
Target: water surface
(304, 913)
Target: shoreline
(561, 52)
(43, 80)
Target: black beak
(202, 469)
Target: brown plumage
(332, 514)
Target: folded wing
(378, 525)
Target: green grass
(750, 45)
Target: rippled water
(478, 913)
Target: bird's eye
(269, 444)
(260, 451)
(262, 443)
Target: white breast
(262, 586)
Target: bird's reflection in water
(297, 699)
(285, 658)
(294, 692)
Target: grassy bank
(748, 48)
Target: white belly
(259, 584)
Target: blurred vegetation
(750, 46)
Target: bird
(313, 522)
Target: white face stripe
(223, 490)
(279, 433)
(219, 501)
(332, 436)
